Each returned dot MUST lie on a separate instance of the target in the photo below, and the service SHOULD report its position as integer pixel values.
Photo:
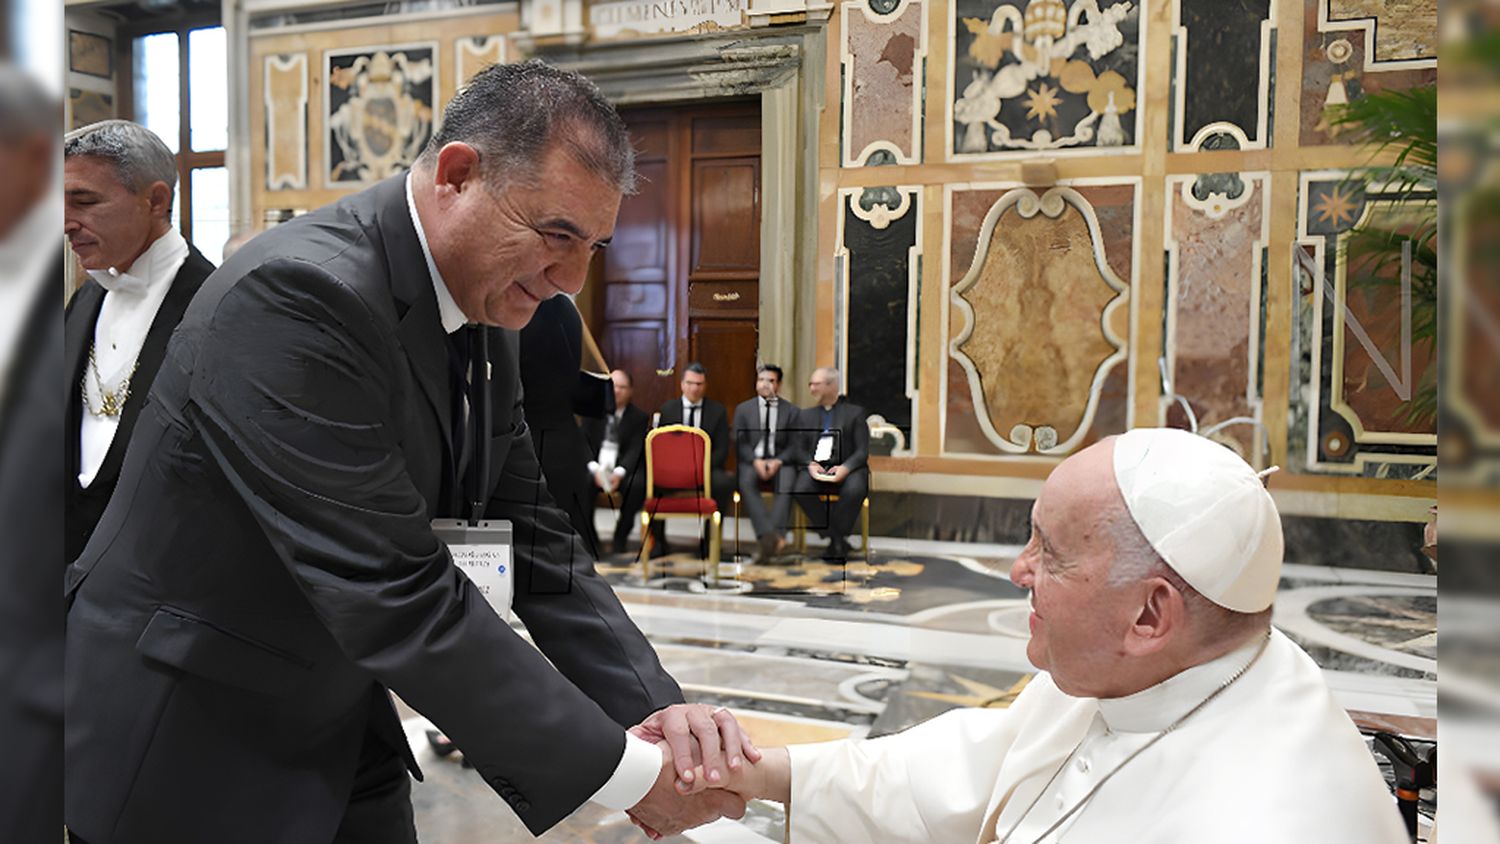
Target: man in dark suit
(697, 411)
(239, 616)
(763, 440)
(551, 346)
(618, 447)
(833, 446)
(117, 181)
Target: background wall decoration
(1353, 46)
(880, 252)
(1028, 75)
(884, 53)
(1218, 228)
(286, 121)
(87, 107)
(474, 53)
(1217, 54)
(1038, 316)
(381, 104)
(1354, 364)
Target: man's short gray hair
(833, 376)
(513, 114)
(139, 157)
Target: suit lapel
(421, 327)
(185, 284)
(78, 334)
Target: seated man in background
(763, 428)
(697, 411)
(1168, 709)
(618, 445)
(833, 444)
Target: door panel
(680, 280)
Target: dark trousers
(379, 809)
(632, 491)
(775, 521)
(836, 518)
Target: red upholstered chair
(677, 465)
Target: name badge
(824, 452)
(483, 553)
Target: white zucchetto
(1205, 511)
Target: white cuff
(593, 467)
(639, 767)
(619, 471)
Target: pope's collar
(145, 271)
(452, 316)
(1151, 710)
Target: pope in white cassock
(1167, 708)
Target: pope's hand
(663, 811)
(699, 735)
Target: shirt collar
(452, 316)
(147, 270)
(689, 405)
(1152, 710)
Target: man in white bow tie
(117, 187)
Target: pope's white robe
(1271, 759)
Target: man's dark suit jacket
(268, 570)
(84, 506)
(749, 419)
(851, 435)
(711, 418)
(632, 434)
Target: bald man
(1167, 708)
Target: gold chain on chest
(111, 402)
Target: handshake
(709, 769)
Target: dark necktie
(693, 416)
(765, 428)
(458, 383)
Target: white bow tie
(117, 282)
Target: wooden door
(681, 280)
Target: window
(180, 90)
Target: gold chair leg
(799, 529)
(865, 525)
(645, 547)
(715, 538)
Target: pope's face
(526, 241)
(1078, 620)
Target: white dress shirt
(690, 418)
(641, 762)
(131, 301)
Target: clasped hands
(703, 752)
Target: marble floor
(808, 651)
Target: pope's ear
(1162, 615)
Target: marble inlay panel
(1220, 46)
(1356, 380)
(1029, 75)
(883, 56)
(380, 104)
(286, 121)
(1038, 316)
(1338, 64)
(881, 239)
(1217, 231)
(474, 53)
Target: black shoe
(440, 744)
(838, 549)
